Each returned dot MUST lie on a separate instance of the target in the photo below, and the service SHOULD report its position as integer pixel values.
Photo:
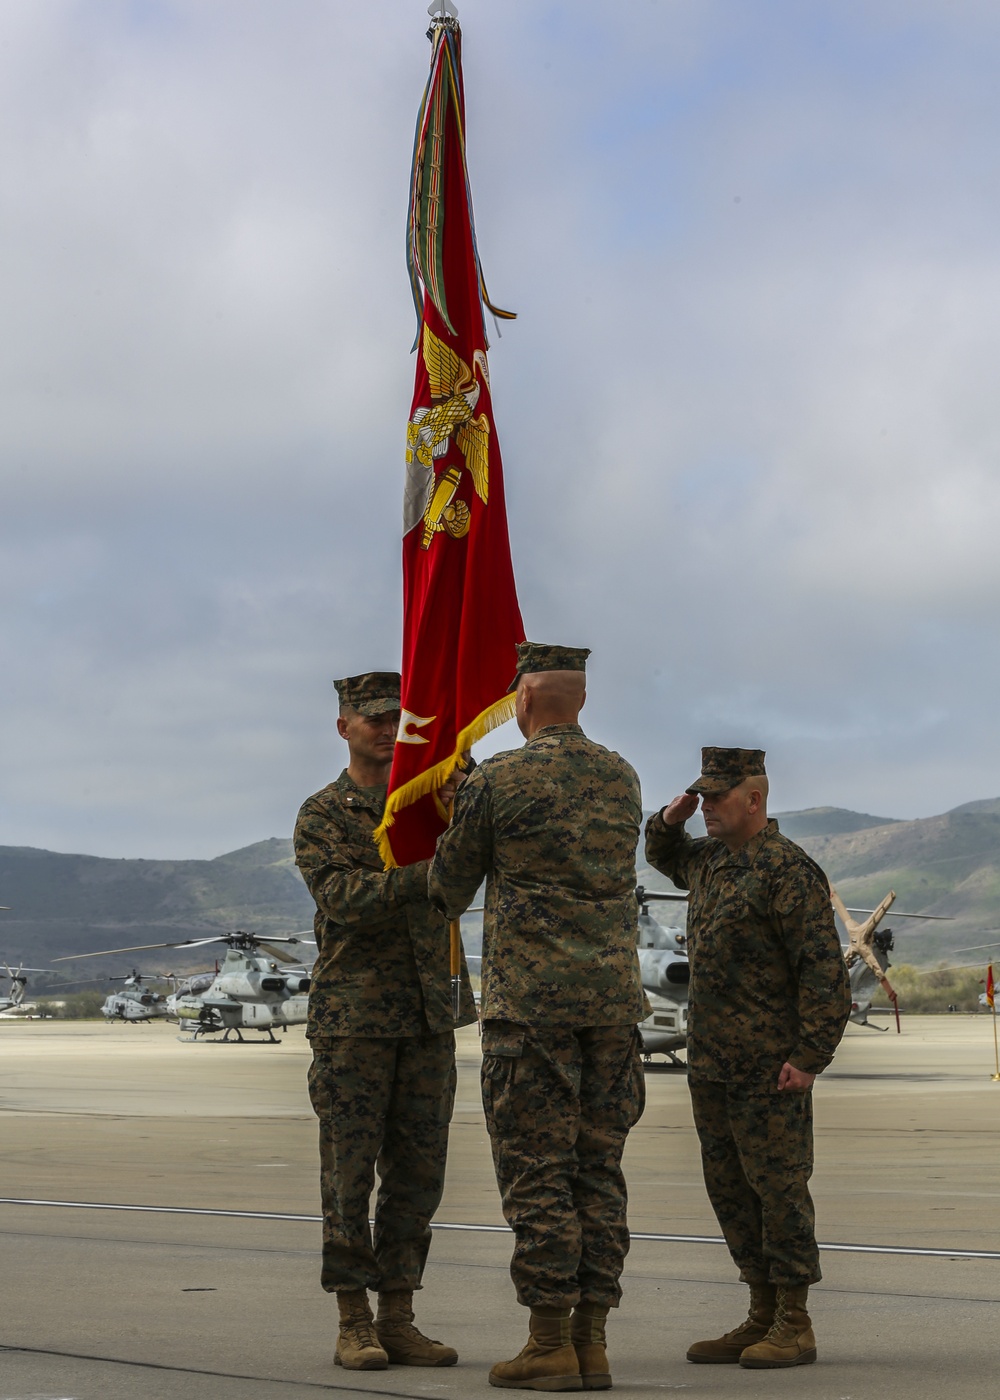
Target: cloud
(747, 411)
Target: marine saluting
(768, 1003)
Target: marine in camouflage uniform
(768, 1001)
(553, 827)
(382, 1080)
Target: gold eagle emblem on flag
(455, 391)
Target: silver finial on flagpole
(444, 8)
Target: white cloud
(747, 411)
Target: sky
(748, 410)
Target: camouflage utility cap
(538, 656)
(374, 693)
(722, 769)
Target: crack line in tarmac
(647, 1236)
(6, 1347)
(190, 1245)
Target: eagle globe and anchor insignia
(455, 389)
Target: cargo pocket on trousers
(638, 1079)
(630, 1095)
(503, 1046)
(319, 1092)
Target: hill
(62, 904)
(949, 864)
(827, 821)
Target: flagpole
(455, 952)
(455, 946)
(991, 1002)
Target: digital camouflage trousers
(559, 1104)
(382, 1104)
(757, 1156)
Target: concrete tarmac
(100, 1304)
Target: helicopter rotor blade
(287, 938)
(278, 953)
(642, 895)
(898, 914)
(952, 967)
(144, 948)
(79, 982)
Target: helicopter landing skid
(675, 1063)
(232, 1030)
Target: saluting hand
(680, 809)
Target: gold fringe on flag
(433, 778)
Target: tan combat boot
(730, 1346)
(590, 1343)
(358, 1346)
(790, 1342)
(404, 1345)
(548, 1362)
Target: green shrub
(921, 990)
(74, 1006)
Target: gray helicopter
(663, 965)
(665, 971)
(259, 987)
(136, 1002)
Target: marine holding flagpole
(381, 1020)
(553, 828)
(382, 1079)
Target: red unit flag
(461, 621)
(990, 988)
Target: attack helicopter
(665, 971)
(259, 987)
(135, 1002)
